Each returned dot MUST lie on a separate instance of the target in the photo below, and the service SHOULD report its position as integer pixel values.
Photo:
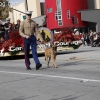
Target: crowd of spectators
(91, 38)
(7, 28)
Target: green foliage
(4, 10)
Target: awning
(92, 15)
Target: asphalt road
(76, 78)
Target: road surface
(76, 78)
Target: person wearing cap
(29, 31)
(8, 28)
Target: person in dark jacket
(8, 28)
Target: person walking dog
(29, 31)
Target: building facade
(92, 14)
(33, 5)
(59, 13)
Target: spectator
(91, 37)
(17, 25)
(86, 39)
(8, 28)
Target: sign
(24, 17)
(46, 34)
(67, 43)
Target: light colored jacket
(29, 27)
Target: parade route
(49, 50)
(76, 78)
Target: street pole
(26, 5)
(18, 10)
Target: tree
(4, 9)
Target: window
(60, 22)
(58, 16)
(58, 13)
(68, 14)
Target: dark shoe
(38, 66)
(28, 68)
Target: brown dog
(51, 53)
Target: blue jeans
(27, 43)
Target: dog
(50, 54)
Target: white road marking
(53, 76)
